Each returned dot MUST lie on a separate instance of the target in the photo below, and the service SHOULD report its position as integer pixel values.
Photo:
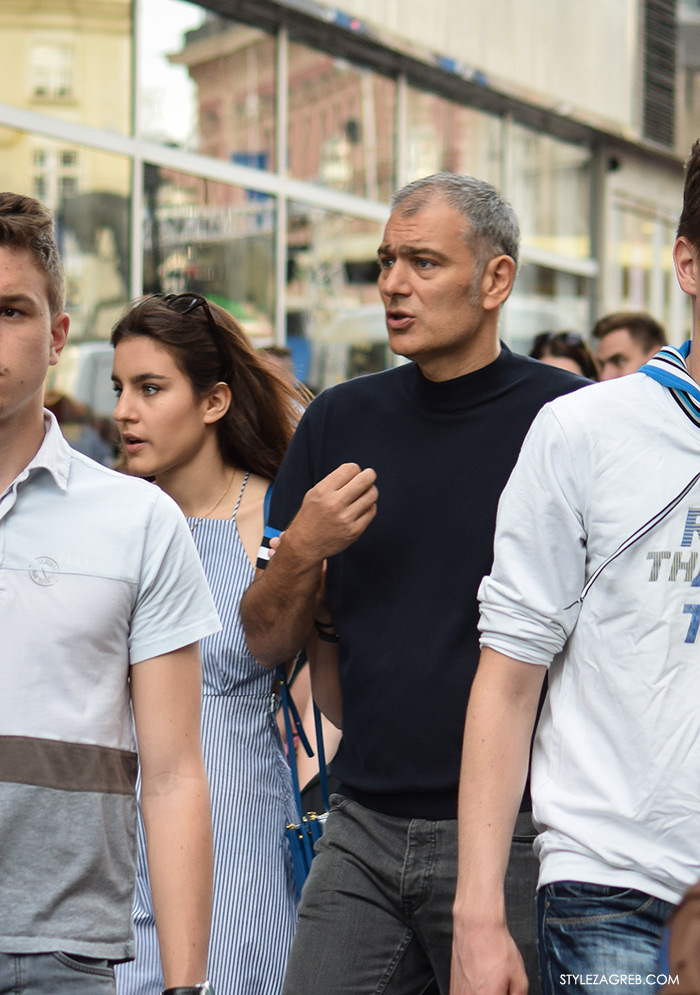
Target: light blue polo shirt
(98, 571)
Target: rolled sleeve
(529, 602)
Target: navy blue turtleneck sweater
(404, 596)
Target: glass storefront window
(335, 320)
(212, 239)
(341, 124)
(550, 191)
(641, 275)
(207, 83)
(54, 59)
(545, 300)
(88, 193)
(442, 135)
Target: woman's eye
(149, 389)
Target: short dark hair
(492, 228)
(26, 224)
(645, 330)
(689, 223)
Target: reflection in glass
(88, 193)
(54, 58)
(545, 300)
(209, 84)
(442, 135)
(341, 124)
(550, 191)
(641, 272)
(335, 321)
(212, 239)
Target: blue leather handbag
(303, 834)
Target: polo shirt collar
(54, 454)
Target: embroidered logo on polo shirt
(44, 571)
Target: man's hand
(500, 716)
(485, 961)
(684, 948)
(278, 608)
(334, 513)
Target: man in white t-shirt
(594, 581)
(102, 603)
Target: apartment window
(55, 174)
(354, 154)
(67, 186)
(52, 72)
(442, 134)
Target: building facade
(247, 149)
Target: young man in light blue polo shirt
(102, 603)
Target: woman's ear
(217, 403)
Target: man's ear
(59, 333)
(217, 403)
(497, 282)
(685, 261)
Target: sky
(167, 93)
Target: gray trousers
(376, 911)
(55, 974)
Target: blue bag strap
(288, 707)
(322, 772)
(289, 711)
(266, 503)
(268, 531)
(298, 724)
(284, 691)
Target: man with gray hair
(387, 499)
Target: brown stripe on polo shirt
(49, 763)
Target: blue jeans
(375, 916)
(597, 939)
(55, 974)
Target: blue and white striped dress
(254, 911)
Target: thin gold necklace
(216, 504)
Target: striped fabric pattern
(254, 910)
(669, 367)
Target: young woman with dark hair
(204, 416)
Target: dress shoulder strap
(240, 496)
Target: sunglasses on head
(183, 304)
(567, 338)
